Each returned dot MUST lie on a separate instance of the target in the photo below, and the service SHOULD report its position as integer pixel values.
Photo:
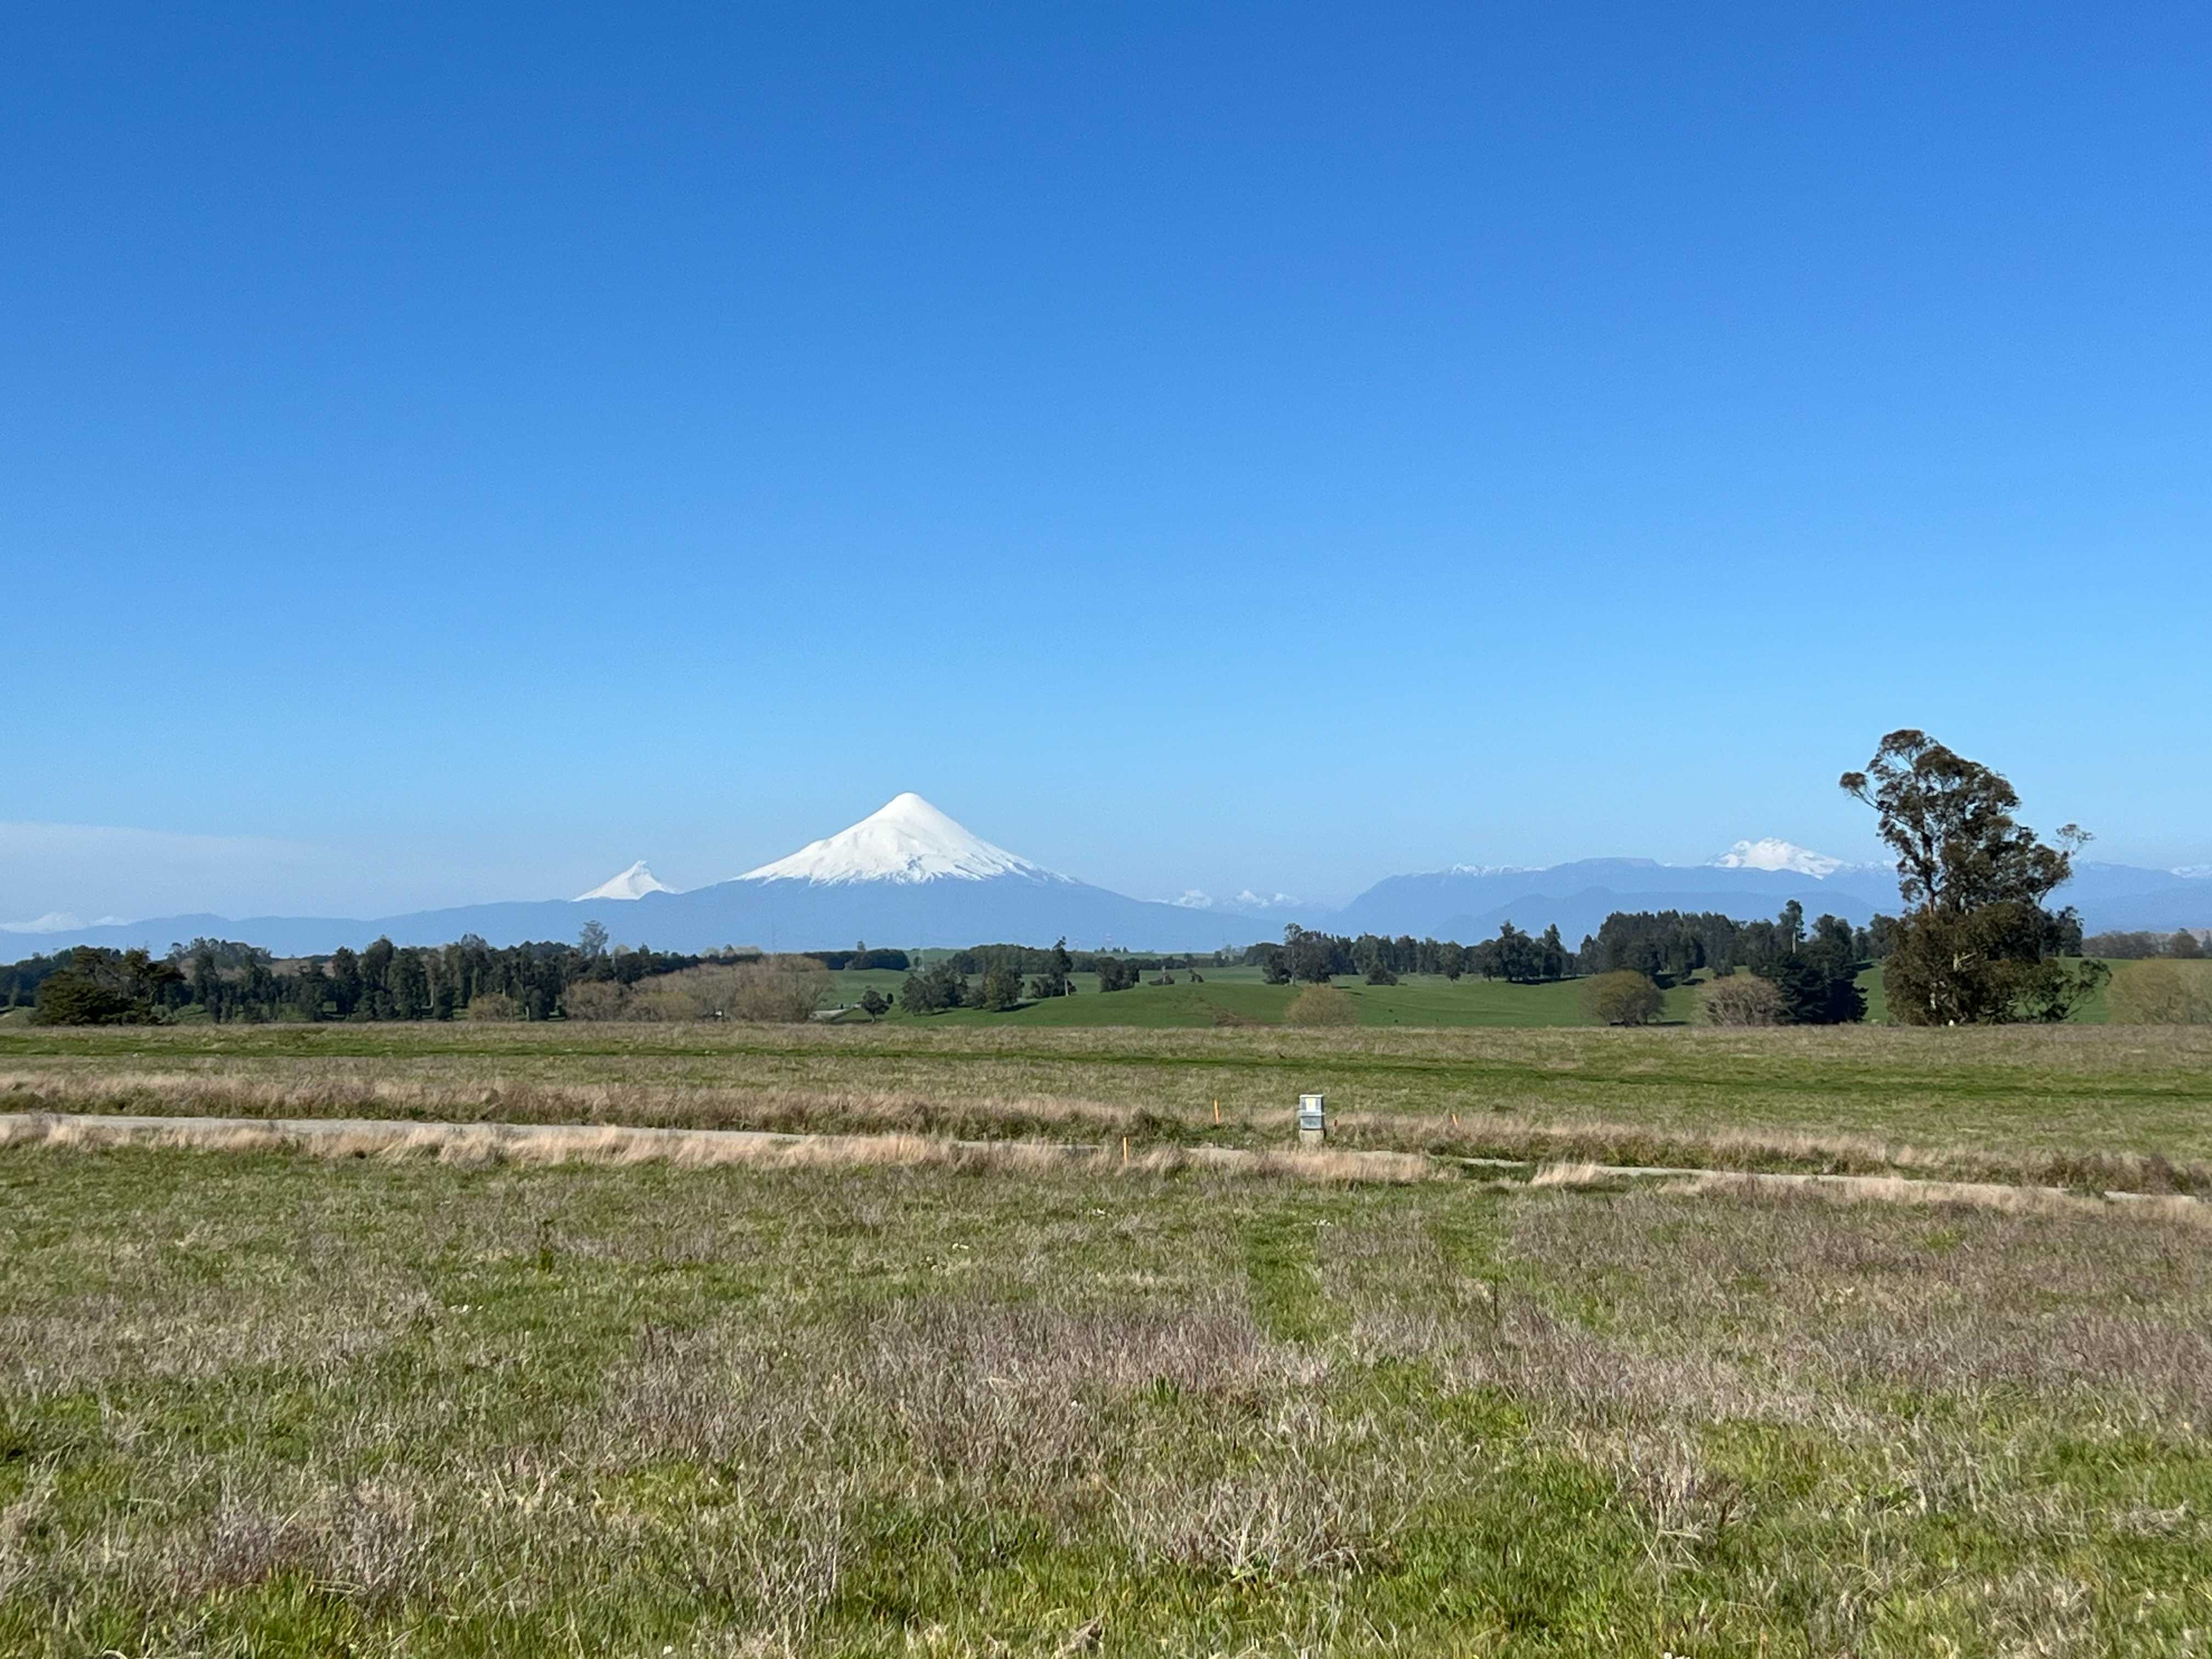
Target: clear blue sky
(449, 453)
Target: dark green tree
(1053, 981)
(1977, 944)
(1002, 987)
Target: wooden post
(1217, 1108)
(1125, 1151)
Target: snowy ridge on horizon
(1772, 853)
(1197, 898)
(58, 921)
(633, 883)
(906, 841)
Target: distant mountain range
(908, 875)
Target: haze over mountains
(907, 875)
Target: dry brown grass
(1981, 1195)
(480, 1145)
(1571, 1175)
(1321, 1004)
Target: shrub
(2160, 993)
(492, 1005)
(1741, 999)
(597, 999)
(782, 990)
(1624, 997)
(777, 990)
(1321, 1004)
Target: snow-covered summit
(906, 839)
(1775, 853)
(633, 883)
(1247, 900)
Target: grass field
(2073, 1104)
(271, 1405)
(281, 1407)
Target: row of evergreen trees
(1815, 972)
(1670, 946)
(1309, 957)
(221, 980)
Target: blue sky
(446, 455)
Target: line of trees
(1309, 957)
(2181, 945)
(1669, 947)
(223, 981)
(1765, 973)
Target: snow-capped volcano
(1775, 853)
(906, 841)
(633, 883)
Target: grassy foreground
(275, 1407)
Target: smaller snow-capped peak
(1775, 853)
(2193, 872)
(907, 841)
(633, 883)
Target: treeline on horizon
(224, 980)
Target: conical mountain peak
(633, 883)
(905, 840)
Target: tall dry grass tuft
(1571, 1175)
(1322, 1005)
